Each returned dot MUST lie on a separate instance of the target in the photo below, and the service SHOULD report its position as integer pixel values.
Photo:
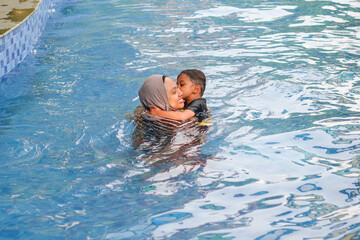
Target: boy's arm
(186, 114)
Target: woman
(152, 132)
(170, 145)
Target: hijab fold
(153, 93)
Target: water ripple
(281, 159)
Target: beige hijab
(153, 93)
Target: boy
(192, 83)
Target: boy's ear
(197, 89)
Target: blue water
(281, 160)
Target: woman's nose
(180, 92)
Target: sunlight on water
(279, 161)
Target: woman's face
(174, 94)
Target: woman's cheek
(173, 103)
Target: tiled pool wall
(19, 42)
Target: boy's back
(199, 107)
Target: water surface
(281, 160)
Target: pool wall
(19, 42)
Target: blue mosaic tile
(16, 30)
(7, 44)
(11, 65)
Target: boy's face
(186, 86)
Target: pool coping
(19, 41)
(17, 7)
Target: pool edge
(19, 41)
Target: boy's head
(192, 82)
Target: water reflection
(169, 147)
(167, 139)
(281, 159)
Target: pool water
(280, 161)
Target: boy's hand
(154, 110)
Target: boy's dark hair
(197, 77)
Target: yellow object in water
(207, 122)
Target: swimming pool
(281, 160)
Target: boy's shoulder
(197, 101)
(197, 105)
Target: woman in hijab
(166, 141)
(153, 132)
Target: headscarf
(153, 93)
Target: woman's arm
(176, 115)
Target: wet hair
(196, 77)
